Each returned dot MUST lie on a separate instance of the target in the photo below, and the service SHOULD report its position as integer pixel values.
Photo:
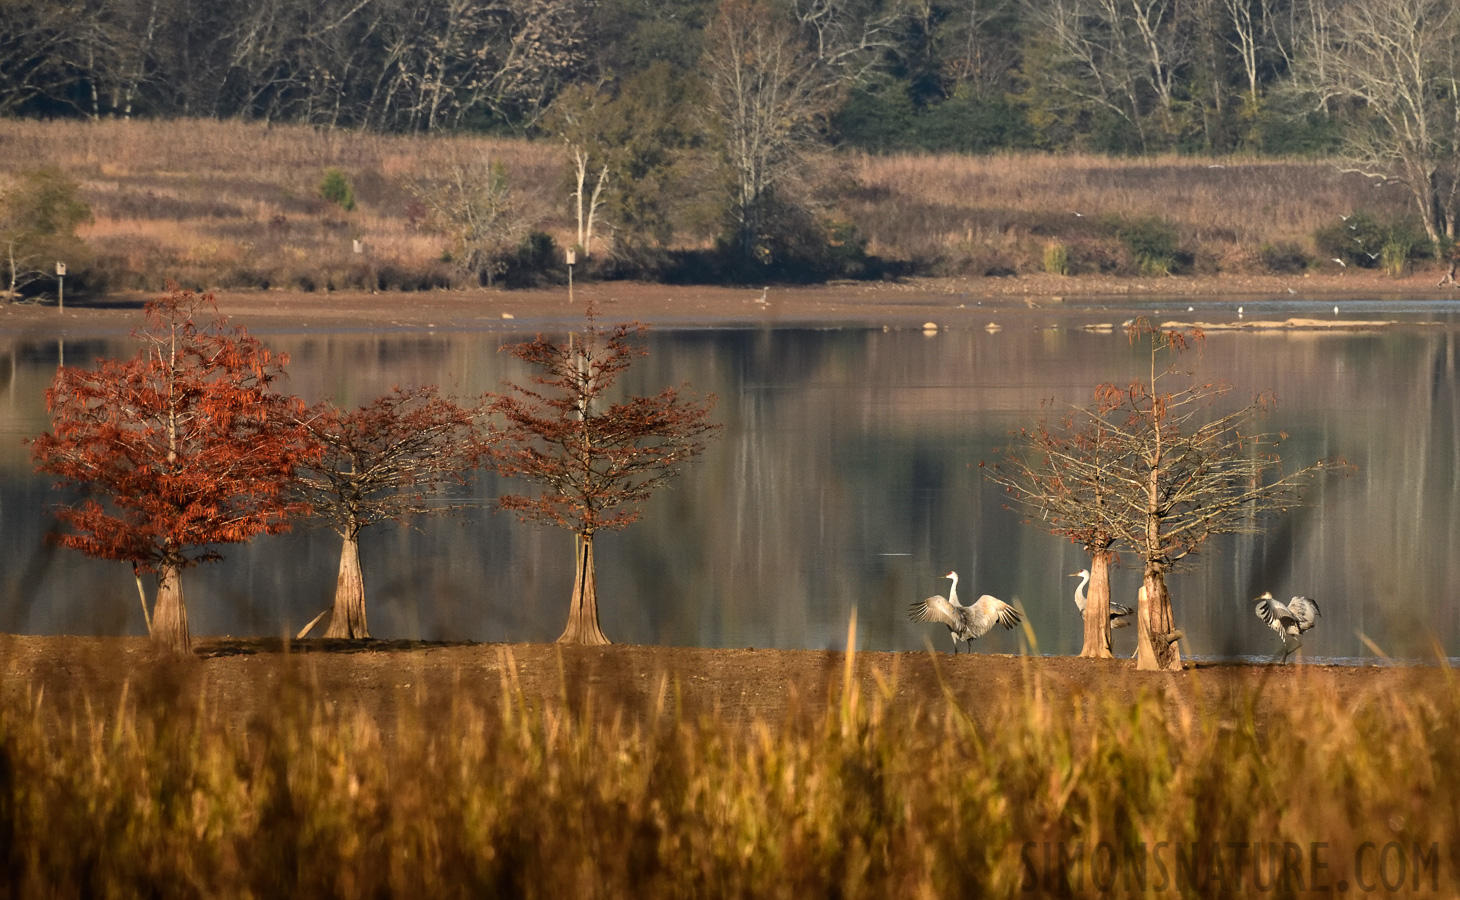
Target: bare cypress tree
(1062, 474)
(388, 460)
(1187, 472)
(597, 460)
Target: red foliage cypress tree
(184, 447)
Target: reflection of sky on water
(847, 477)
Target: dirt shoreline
(743, 686)
(947, 302)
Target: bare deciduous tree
(576, 117)
(850, 37)
(471, 203)
(1254, 35)
(1399, 60)
(767, 96)
(1064, 475)
(1082, 59)
(1121, 56)
(976, 45)
(36, 37)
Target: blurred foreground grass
(159, 792)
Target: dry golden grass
(160, 791)
(972, 208)
(235, 204)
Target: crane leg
(1289, 652)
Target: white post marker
(60, 285)
(571, 256)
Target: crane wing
(988, 611)
(936, 609)
(1120, 615)
(1267, 611)
(1305, 612)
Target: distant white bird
(1120, 616)
(1344, 217)
(1239, 312)
(1340, 262)
(763, 292)
(965, 623)
(1288, 620)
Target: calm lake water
(847, 477)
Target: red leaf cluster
(388, 459)
(183, 447)
(596, 459)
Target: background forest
(709, 139)
(967, 75)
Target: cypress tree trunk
(169, 614)
(1097, 609)
(583, 613)
(1157, 650)
(347, 618)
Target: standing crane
(1120, 615)
(965, 623)
(1288, 620)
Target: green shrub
(885, 118)
(537, 261)
(1056, 258)
(1365, 241)
(1152, 243)
(1400, 246)
(336, 189)
(38, 220)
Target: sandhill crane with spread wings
(965, 623)
(1288, 619)
(1120, 615)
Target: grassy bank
(159, 790)
(238, 205)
